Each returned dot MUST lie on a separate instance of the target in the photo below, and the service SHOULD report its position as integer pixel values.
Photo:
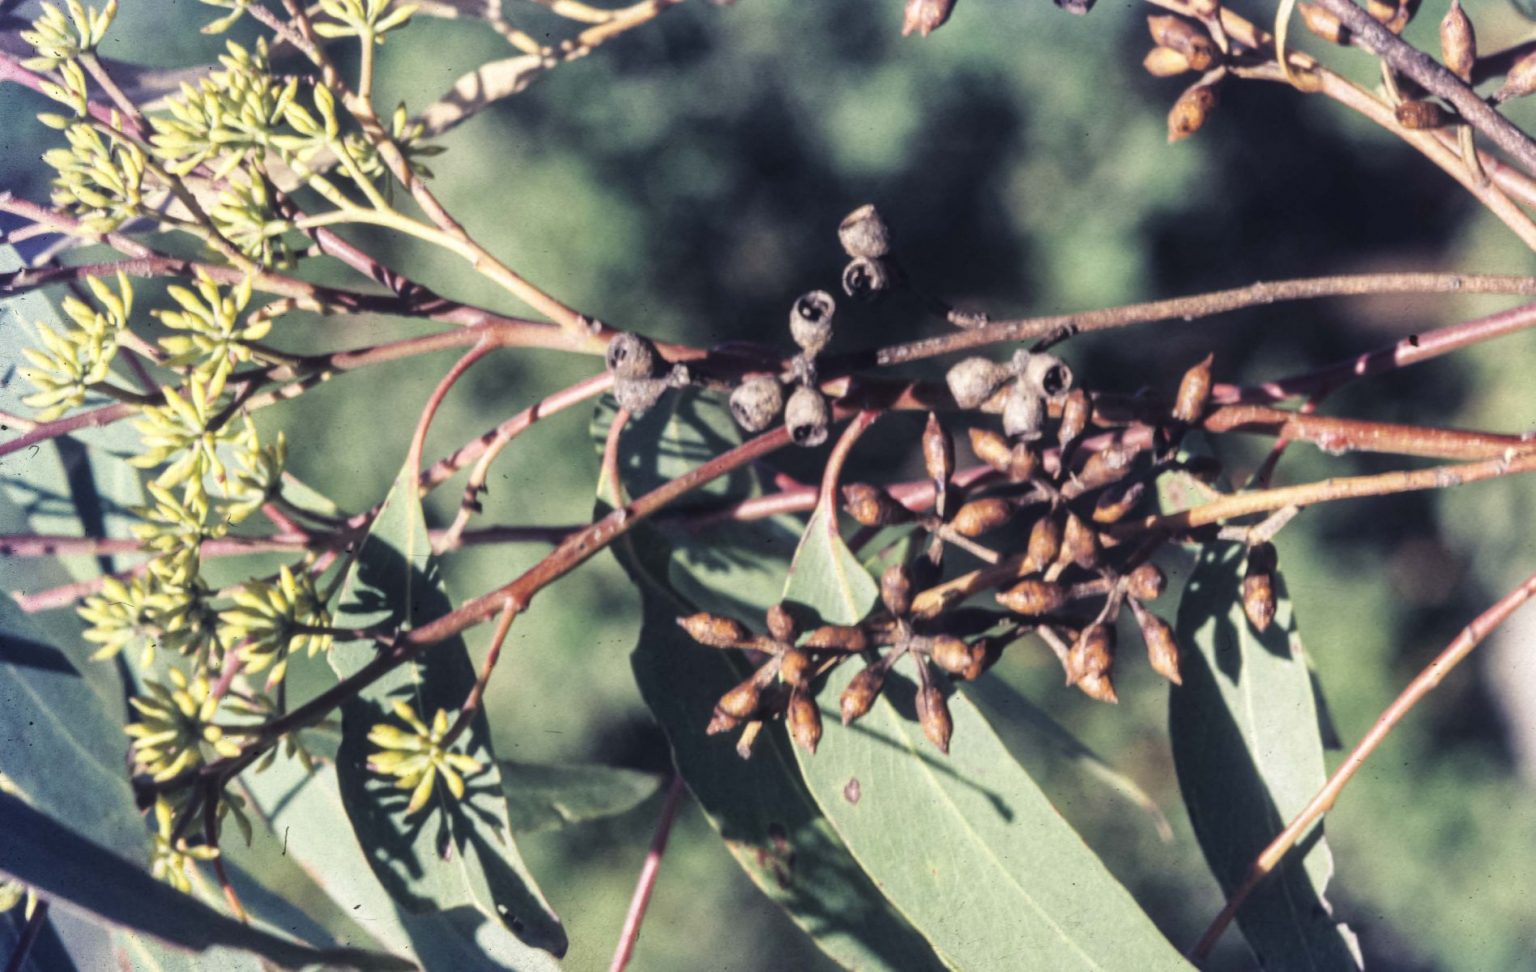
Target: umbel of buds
(757, 402)
(810, 321)
(1259, 586)
(807, 417)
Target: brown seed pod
(1458, 42)
(1162, 649)
(1108, 465)
(896, 589)
(926, 16)
(1075, 412)
(810, 320)
(1079, 544)
(714, 630)
(865, 278)
(1259, 586)
(982, 657)
(938, 451)
(1421, 115)
(782, 625)
(864, 233)
(1093, 653)
(721, 722)
(1100, 688)
(1146, 583)
(1023, 413)
(1186, 37)
(1044, 544)
(950, 653)
(1016, 461)
(632, 355)
(873, 506)
(1165, 62)
(1043, 374)
(1322, 23)
(1392, 14)
(757, 402)
(795, 668)
(742, 701)
(981, 516)
(933, 715)
(972, 381)
(836, 637)
(1033, 598)
(804, 721)
(807, 417)
(1114, 503)
(1194, 392)
(1190, 111)
(861, 692)
(1520, 81)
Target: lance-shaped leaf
(966, 846)
(456, 852)
(1249, 753)
(543, 797)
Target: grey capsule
(810, 320)
(972, 381)
(1044, 374)
(865, 278)
(639, 394)
(632, 356)
(757, 402)
(807, 417)
(863, 233)
(1023, 414)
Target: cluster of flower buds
(640, 374)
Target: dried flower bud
(632, 355)
(933, 715)
(1194, 392)
(864, 234)
(1165, 62)
(1421, 115)
(1146, 583)
(983, 656)
(1190, 111)
(861, 692)
(810, 320)
(795, 668)
(873, 506)
(982, 515)
(1186, 37)
(1458, 42)
(1075, 412)
(1079, 544)
(740, 702)
(972, 381)
(1519, 82)
(807, 417)
(836, 637)
(804, 721)
(1023, 414)
(757, 402)
(1391, 14)
(926, 16)
(1093, 653)
(865, 278)
(1108, 465)
(896, 589)
(1100, 688)
(1044, 544)
(938, 451)
(1043, 374)
(1033, 598)
(721, 722)
(1114, 503)
(950, 653)
(714, 630)
(1259, 586)
(1323, 23)
(1162, 649)
(782, 625)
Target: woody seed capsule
(782, 625)
(1146, 583)
(982, 515)
(1458, 42)
(1043, 374)
(972, 381)
(810, 320)
(933, 715)
(1114, 503)
(1194, 392)
(1162, 649)
(1033, 597)
(865, 278)
(872, 506)
(896, 589)
(864, 233)
(1259, 586)
(795, 668)
(632, 355)
(1165, 62)
(837, 637)
(861, 692)
(714, 630)
(1023, 414)
(804, 721)
(757, 402)
(807, 417)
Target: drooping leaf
(966, 846)
(543, 797)
(455, 853)
(75, 872)
(1249, 753)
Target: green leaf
(1249, 753)
(542, 797)
(966, 846)
(457, 853)
(77, 873)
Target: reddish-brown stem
(435, 401)
(837, 459)
(492, 655)
(1432, 675)
(1338, 435)
(630, 934)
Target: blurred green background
(686, 180)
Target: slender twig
(1270, 858)
(833, 470)
(492, 655)
(630, 934)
